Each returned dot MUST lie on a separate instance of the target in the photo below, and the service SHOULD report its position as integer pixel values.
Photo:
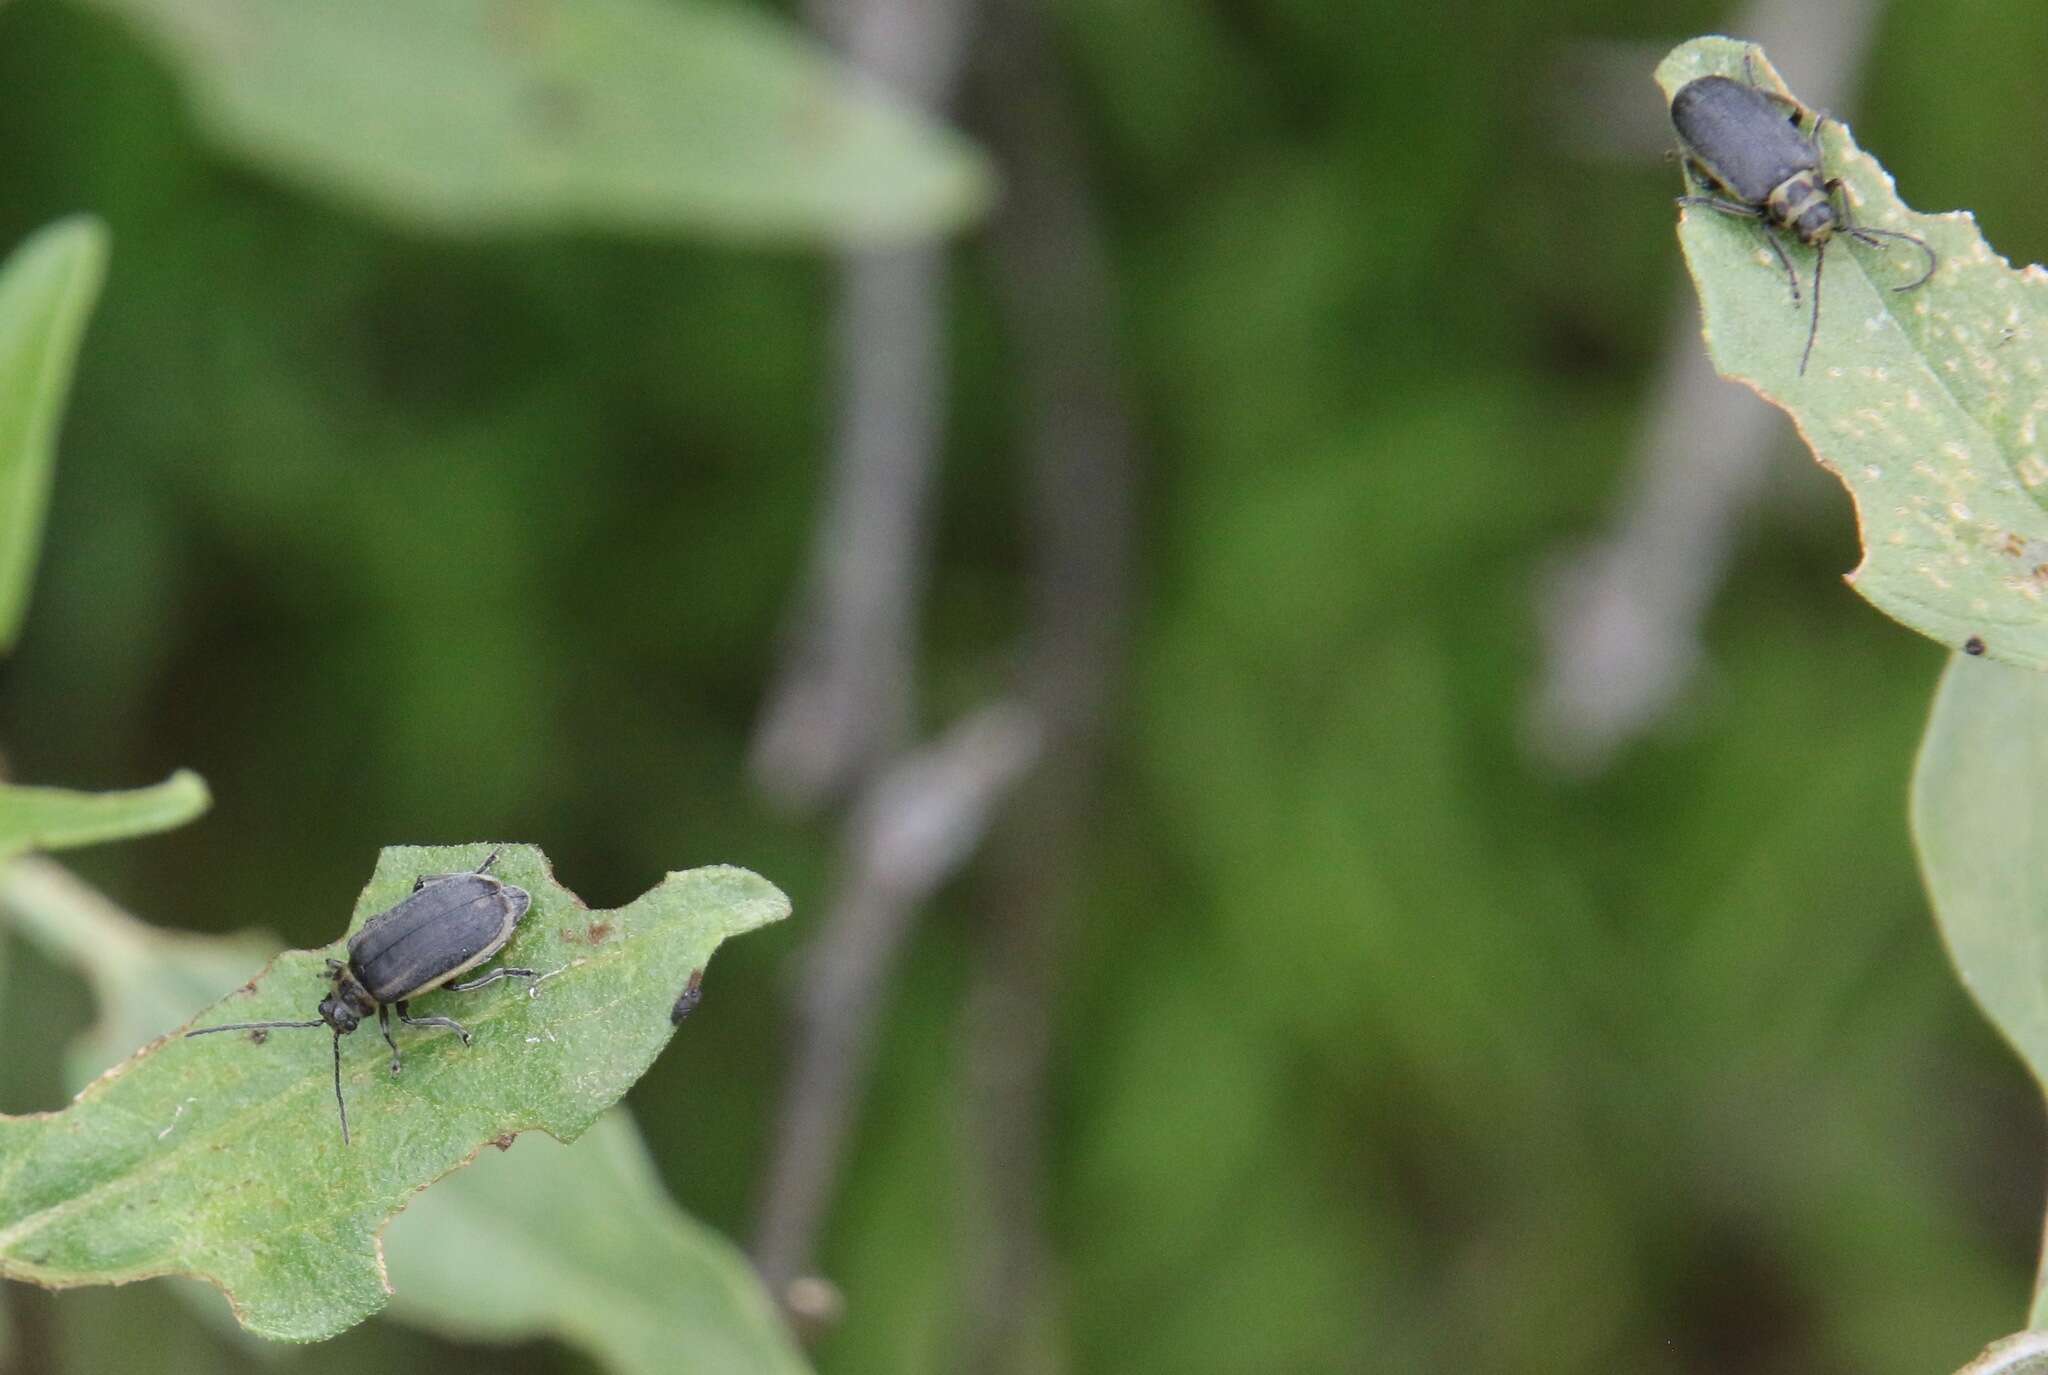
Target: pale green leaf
(1929, 404)
(2024, 1353)
(47, 290)
(696, 116)
(584, 1243)
(221, 1158)
(1980, 822)
(60, 818)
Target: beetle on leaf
(450, 924)
(1747, 144)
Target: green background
(1380, 1047)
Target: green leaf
(222, 1159)
(468, 116)
(1928, 404)
(1980, 822)
(501, 1251)
(47, 290)
(584, 1243)
(60, 819)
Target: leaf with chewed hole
(221, 1158)
(1931, 405)
(584, 1244)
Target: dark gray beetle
(449, 925)
(1747, 144)
(687, 1000)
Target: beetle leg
(1870, 237)
(384, 1025)
(458, 1028)
(1748, 212)
(1697, 177)
(424, 879)
(1779, 97)
(1791, 277)
(493, 977)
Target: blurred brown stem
(840, 710)
(1052, 269)
(844, 694)
(916, 824)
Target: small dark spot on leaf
(259, 1035)
(686, 1002)
(1974, 645)
(599, 930)
(504, 1143)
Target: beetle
(687, 1000)
(1747, 144)
(447, 926)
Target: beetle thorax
(1801, 205)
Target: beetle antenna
(1820, 260)
(250, 1026)
(492, 858)
(339, 1102)
(1914, 239)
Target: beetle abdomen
(443, 930)
(1740, 137)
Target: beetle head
(345, 1008)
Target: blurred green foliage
(497, 115)
(33, 818)
(47, 286)
(1379, 1047)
